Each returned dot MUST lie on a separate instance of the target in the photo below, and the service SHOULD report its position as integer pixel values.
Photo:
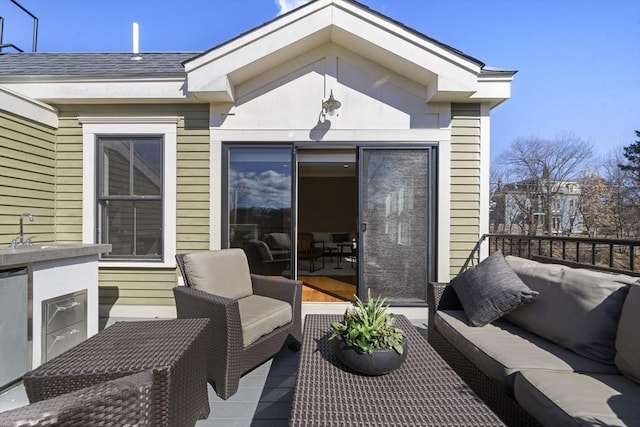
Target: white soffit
(28, 108)
(448, 74)
(72, 90)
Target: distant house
(165, 153)
(520, 208)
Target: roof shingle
(92, 64)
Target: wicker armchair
(243, 337)
(123, 401)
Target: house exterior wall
(131, 285)
(378, 106)
(266, 87)
(465, 182)
(27, 177)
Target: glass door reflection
(259, 200)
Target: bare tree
(538, 168)
(595, 203)
(625, 198)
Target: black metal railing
(613, 255)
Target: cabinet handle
(60, 338)
(68, 334)
(67, 307)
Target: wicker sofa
(569, 357)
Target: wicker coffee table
(173, 350)
(423, 391)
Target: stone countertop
(48, 251)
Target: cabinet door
(13, 324)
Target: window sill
(136, 264)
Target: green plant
(369, 327)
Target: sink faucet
(21, 236)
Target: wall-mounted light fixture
(330, 106)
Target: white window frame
(105, 126)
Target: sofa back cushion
(577, 308)
(224, 272)
(628, 339)
(278, 240)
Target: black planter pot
(380, 362)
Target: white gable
(445, 74)
(291, 95)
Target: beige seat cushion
(224, 272)
(501, 349)
(628, 338)
(260, 315)
(570, 399)
(577, 308)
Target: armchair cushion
(224, 273)
(490, 290)
(260, 315)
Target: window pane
(115, 168)
(147, 167)
(118, 227)
(134, 228)
(149, 228)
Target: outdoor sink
(45, 246)
(24, 254)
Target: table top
(127, 347)
(423, 391)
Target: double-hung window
(129, 188)
(130, 196)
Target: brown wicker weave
(423, 391)
(441, 296)
(123, 401)
(174, 350)
(227, 358)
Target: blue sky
(578, 61)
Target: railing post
(577, 251)
(564, 249)
(611, 255)
(593, 254)
(632, 259)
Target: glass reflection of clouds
(258, 185)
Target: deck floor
(263, 398)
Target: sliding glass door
(396, 223)
(258, 206)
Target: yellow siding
(465, 182)
(193, 184)
(136, 287)
(27, 178)
(139, 286)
